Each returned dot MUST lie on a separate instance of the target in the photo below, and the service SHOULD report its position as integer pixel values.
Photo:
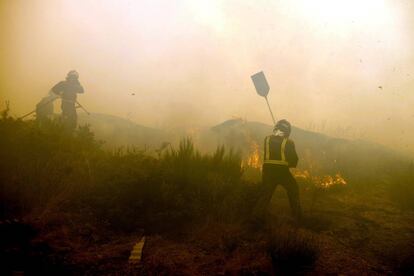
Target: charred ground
(69, 206)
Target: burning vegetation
(321, 182)
(253, 159)
(85, 212)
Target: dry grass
(292, 250)
(85, 198)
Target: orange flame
(253, 160)
(301, 174)
(323, 182)
(328, 181)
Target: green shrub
(46, 168)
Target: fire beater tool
(262, 88)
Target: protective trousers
(272, 176)
(69, 115)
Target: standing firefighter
(279, 156)
(68, 90)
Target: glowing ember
(304, 175)
(329, 181)
(323, 182)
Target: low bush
(292, 251)
(47, 168)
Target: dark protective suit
(68, 90)
(279, 156)
(44, 109)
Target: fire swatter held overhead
(262, 88)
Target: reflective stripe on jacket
(280, 151)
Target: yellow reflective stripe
(276, 162)
(282, 149)
(267, 153)
(282, 153)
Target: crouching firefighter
(68, 90)
(279, 156)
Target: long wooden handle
(271, 113)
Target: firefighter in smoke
(279, 156)
(44, 109)
(68, 90)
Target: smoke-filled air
(194, 137)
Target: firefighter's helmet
(284, 126)
(72, 75)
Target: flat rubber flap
(260, 83)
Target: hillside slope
(357, 160)
(117, 132)
(320, 154)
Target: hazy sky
(345, 68)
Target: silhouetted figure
(279, 156)
(44, 109)
(68, 90)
